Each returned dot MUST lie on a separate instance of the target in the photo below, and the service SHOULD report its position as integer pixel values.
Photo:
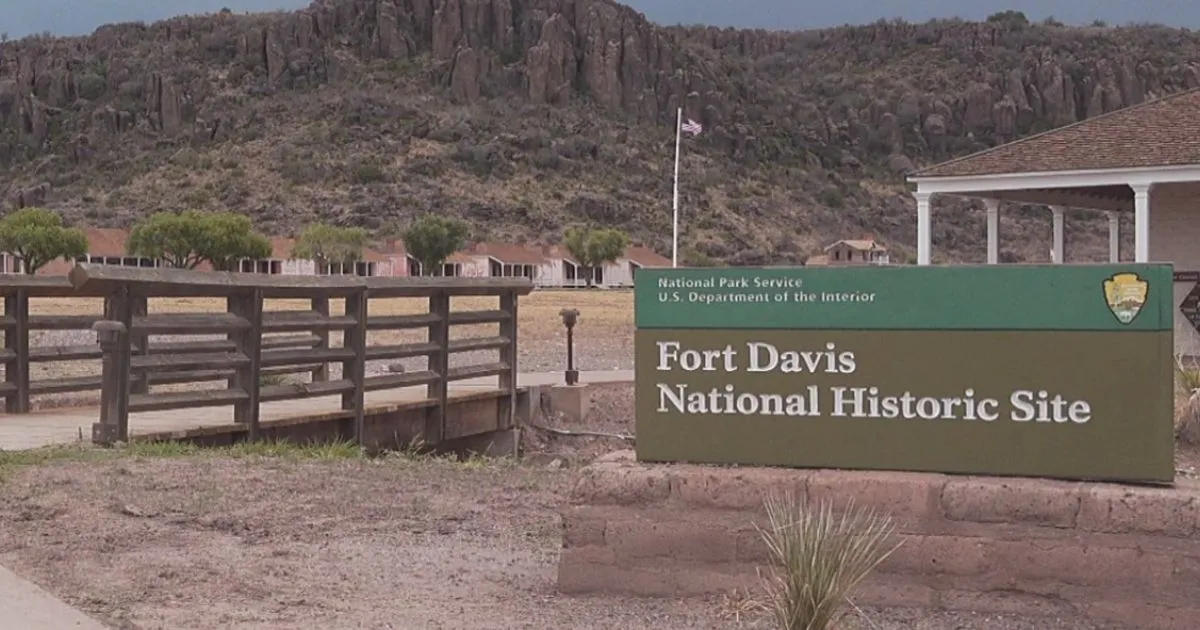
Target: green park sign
(1051, 371)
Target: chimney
(868, 236)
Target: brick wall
(1120, 554)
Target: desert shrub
(547, 159)
(426, 166)
(820, 558)
(482, 160)
(832, 197)
(366, 172)
(1187, 403)
(1187, 379)
(91, 85)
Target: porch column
(1114, 237)
(1141, 222)
(993, 230)
(924, 235)
(1057, 252)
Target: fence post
(439, 363)
(16, 340)
(508, 354)
(248, 306)
(113, 426)
(355, 369)
(321, 306)
(139, 307)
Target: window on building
(269, 266)
(10, 264)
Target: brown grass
(539, 311)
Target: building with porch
(106, 246)
(500, 260)
(281, 262)
(1143, 159)
(856, 251)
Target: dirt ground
(320, 538)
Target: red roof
(646, 257)
(509, 254)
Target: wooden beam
(249, 345)
(41, 286)
(439, 364)
(16, 341)
(384, 287)
(321, 307)
(354, 369)
(1055, 198)
(508, 356)
(113, 335)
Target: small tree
(593, 248)
(184, 240)
(327, 244)
(230, 238)
(433, 238)
(36, 236)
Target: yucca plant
(820, 558)
(1186, 379)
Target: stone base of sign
(1116, 554)
(572, 401)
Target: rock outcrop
(825, 108)
(549, 51)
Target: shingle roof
(106, 241)
(860, 245)
(510, 254)
(1161, 132)
(281, 249)
(558, 251)
(646, 257)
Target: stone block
(572, 401)
(1028, 501)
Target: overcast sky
(75, 17)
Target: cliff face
(528, 115)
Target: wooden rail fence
(257, 342)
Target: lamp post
(570, 317)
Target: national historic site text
(836, 401)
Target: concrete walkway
(24, 604)
(70, 425)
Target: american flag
(691, 127)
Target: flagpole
(675, 205)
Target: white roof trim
(1058, 179)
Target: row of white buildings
(547, 266)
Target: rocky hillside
(526, 116)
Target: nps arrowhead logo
(1125, 294)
